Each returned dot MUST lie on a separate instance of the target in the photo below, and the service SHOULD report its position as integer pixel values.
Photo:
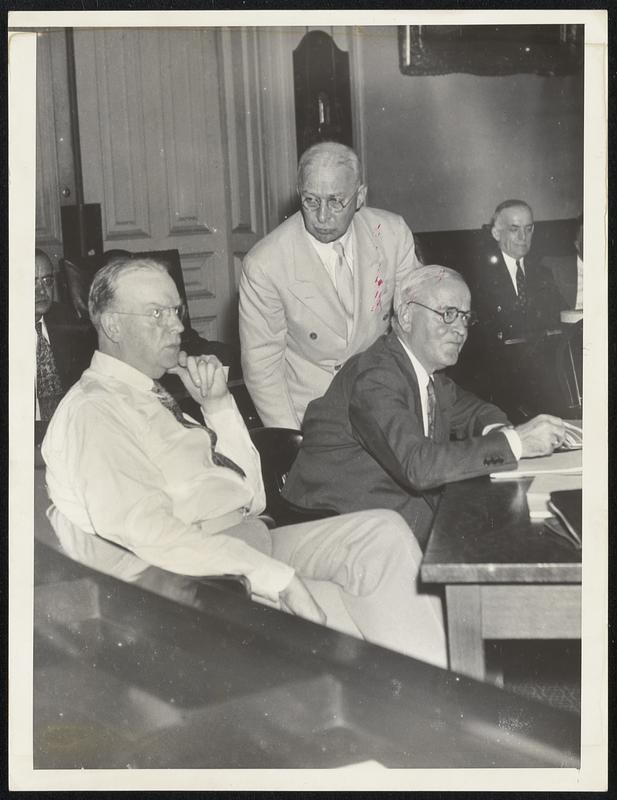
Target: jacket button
(385, 317)
(313, 335)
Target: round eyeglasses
(159, 314)
(47, 281)
(334, 204)
(450, 314)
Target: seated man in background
(513, 295)
(568, 271)
(392, 428)
(518, 306)
(125, 465)
(64, 346)
(319, 287)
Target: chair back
(79, 274)
(278, 448)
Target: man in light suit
(319, 288)
(392, 428)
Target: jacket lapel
(313, 288)
(367, 262)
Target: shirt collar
(325, 249)
(422, 375)
(111, 367)
(511, 262)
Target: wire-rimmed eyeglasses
(334, 204)
(46, 280)
(159, 314)
(450, 314)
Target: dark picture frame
(491, 49)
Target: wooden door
(151, 143)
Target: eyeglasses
(159, 314)
(450, 314)
(334, 204)
(47, 281)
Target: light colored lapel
(313, 287)
(368, 259)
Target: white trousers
(362, 569)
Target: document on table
(568, 462)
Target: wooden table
(505, 577)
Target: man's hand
(204, 379)
(541, 435)
(297, 599)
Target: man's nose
(459, 326)
(323, 211)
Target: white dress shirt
(579, 283)
(423, 378)
(511, 265)
(119, 465)
(328, 255)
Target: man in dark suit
(518, 304)
(513, 295)
(64, 345)
(392, 429)
(567, 271)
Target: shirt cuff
(514, 440)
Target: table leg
(465, 643)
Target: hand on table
(297, 599)
(541, 435)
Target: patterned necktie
(48, 384)
(170, 404)
(520, 285)
(430, 408)
(344, 280)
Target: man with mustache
(392, 428)
(136, 484)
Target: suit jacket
(364, 444)
(292, 328)
(496, 302)
(72, 342)
(564, 270)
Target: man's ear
(110, 325)
(495, 233)
(403, 315)
(361, 196)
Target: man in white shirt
(392, 428)
(135, 483)
(319, 287)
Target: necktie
(48, 385)
(170, 404)
(430, 408)
(520, 285)
(344, 280)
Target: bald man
(392, 428)
(319, 288)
